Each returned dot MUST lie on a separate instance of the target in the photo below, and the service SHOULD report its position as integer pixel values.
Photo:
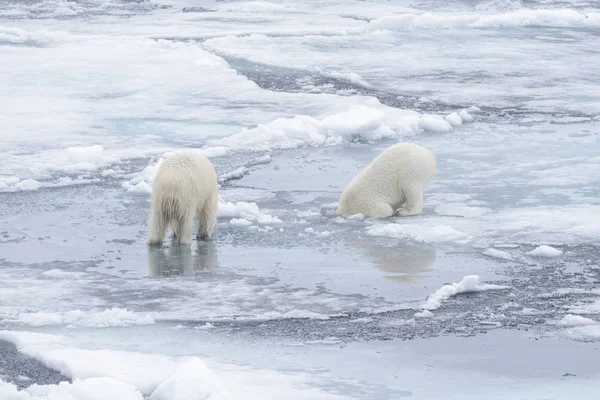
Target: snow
(418, 233)
(454, 119)
(503, 255)
(465, 116)
(545, 251)
(461, 209)
(267, 219)
(135, 375)
(240, 222)
(424, 314)
(192, 380)
(469, 284)
(290, 101)
(235, 174)
(514, 19)
(367, 122)
(584, 333)
(435, 123)
(576, 320)
(27, 184)
(140, 188)
(97, 319)
(80, 389)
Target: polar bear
(185, 185)
(398, 176)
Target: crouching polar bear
(185, 186)
(397, 177)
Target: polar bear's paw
(403, 212)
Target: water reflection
(404, 262)
(183, 259)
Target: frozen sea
(492, 293)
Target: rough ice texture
(470, 283)
(503, 255)
(545, 251)
(419, 233)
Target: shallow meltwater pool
(491, 293)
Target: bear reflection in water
(403, 263)
(200, 257)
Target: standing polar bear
(185, 186)
(398, 176)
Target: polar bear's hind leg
(380, 210)
(183, 228)
(413, 204)
(157, 226)
(207, 216)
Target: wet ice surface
(290, 101)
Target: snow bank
(28, 185)
(192, 380)
(100, 319)
(80, 389)
(469, 284)
(503, 255)
(419, 233)
(545, 251)
(109, 374)
(364, 122)
(13, 35)
(14, 184)
(559, 18)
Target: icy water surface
(492, 293)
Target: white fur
(398, 176)
(185, 185)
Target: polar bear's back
(185, 176)
(399, 167)
(408, 161)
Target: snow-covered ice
(290, 100)
(545, 251)
(469, 284)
